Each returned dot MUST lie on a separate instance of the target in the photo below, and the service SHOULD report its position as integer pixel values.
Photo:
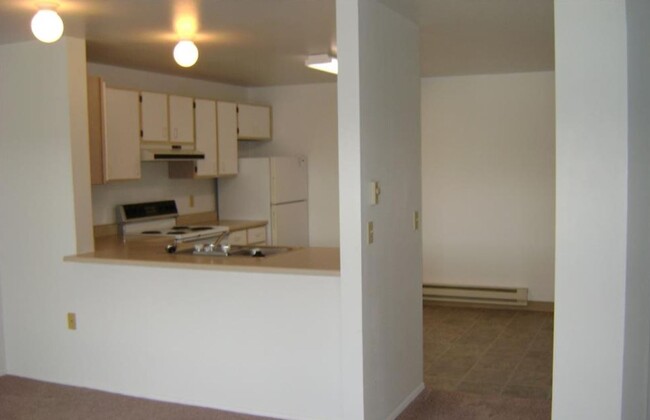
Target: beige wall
(488, 187)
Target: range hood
(174, 154)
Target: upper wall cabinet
(253, 122)
(114, 133)
(205, 117)
(153, 115)
(227, 137)
(216, 137)
(181, 119)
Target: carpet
(22, 399)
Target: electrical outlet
(72, 321)
(371, 232)
(416, 220)
(191, 201)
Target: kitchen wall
(305, 123)
(155, 184)
(488, 181)
(202, 337)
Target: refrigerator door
(246, 196)
(288, 179)
(290, 224)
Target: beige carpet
(22, 399)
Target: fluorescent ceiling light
(47, 25)
(323, 62)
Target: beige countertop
(151, 252)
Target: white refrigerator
(273, 189)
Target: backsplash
(153, 186)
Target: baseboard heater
(475, 294)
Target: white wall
(637, 296)
(266, 344)
(120, 77)
(155, 184)
(488, 181)
(304, 123)
(3, 359)
(592, 169)
(379, 139)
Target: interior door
(290, 224)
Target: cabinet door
(237, 237)
(181, 119)
(205, 117)
(256, 235)
(121, 135)
(227, 137)
(254, 122)
(95, 129)
(154, 116)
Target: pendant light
(47, 25)
(186, 53)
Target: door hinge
(194, 104)
(141, 133)
(140, 96)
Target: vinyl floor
(488, 351)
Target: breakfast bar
(151, 252)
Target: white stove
(158, 219)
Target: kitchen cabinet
(227, 137)
(256, 235)
(216, 137)
(114, 133)
(251, 236)
(253, 122)
(154, 113)
(205, 117)
(181, 119)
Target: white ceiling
(265, 42)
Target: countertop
(151, 252)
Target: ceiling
(265, 42)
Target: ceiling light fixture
(186, 53)
(323, 62)
(47, 25)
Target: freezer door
(288, 179)
(290, 224)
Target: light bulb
(47, 25)
(186, 53)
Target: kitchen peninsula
(151, 252)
